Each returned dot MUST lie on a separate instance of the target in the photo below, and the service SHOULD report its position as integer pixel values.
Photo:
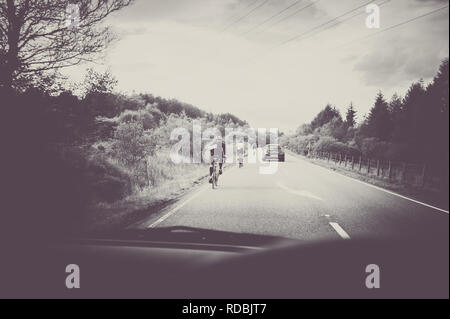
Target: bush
(98, 178)
(142, 116)
(374, 147)
(105, 180)
(159, 167)
(299, 144)
(104, 128)
(330, 144)
(334, 128)
(109, 188)
(131, 144)
(131, 148)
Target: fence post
(328, 157)
(378, 168)
(424, 168)
(353, 162)
(368, 166)
(390, 171)
(360, 162)
(345, 160)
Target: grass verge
(428, 196)
(104, 217)
(110, 217)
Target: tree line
(412, 128)
(70, 146)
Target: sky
(231, 56)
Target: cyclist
(240, 150)
(217, 154)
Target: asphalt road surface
(303, 201)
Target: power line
(291, 15)
(344, 20)
(273, 16)
(246, 7)
(399, 24)
(318, 26)
(322, 25)
(245, 16)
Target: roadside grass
(178, 179)
(168, 182)
(429, 196)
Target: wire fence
(417, 175)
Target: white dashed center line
(298, 192)
(339, 230)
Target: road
(303, 201)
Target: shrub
(143, 116)
(300, 144)
(106, 180)
(330, 144)
(131, 144)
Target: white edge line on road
(381, 189)
(173, 210)
(395, 194)
(176, 208)
(339, 230)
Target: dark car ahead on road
(273, 152)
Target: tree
(98, 94)
(395, 104)
(325, 116)
(437, 120)
(38, 37)
(438, 90)
(350, 117)
(95, 82)
(378, 121)
(395, 109)
(304, 129)
(335, 128)
(415, 115)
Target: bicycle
(215, 175)
(240, 154)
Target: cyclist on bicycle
(240, 151)
(217, 154)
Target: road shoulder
(425, 198)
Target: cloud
(408, 53)
(176, 49)
(394, 65)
